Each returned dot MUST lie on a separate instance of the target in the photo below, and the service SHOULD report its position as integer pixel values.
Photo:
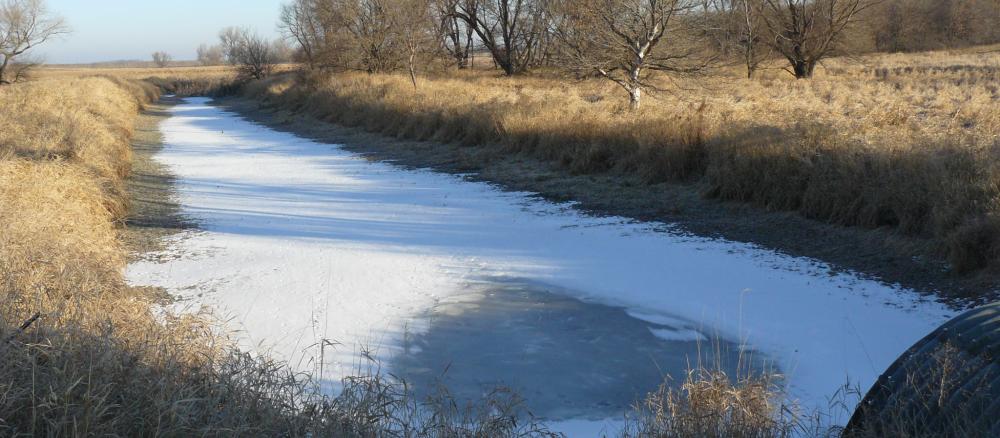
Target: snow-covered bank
(304, 242)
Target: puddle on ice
(567, 358)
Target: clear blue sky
(107, 30)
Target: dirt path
(877, 254)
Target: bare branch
(626, 40)
(162, 59)
(252, 55)
(24, 24)
(807, 31)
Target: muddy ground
(154, 213)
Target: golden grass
(63, 154)
(710, 404)
(899, 141)
(134, 73)
(80, 352)
(180, 80)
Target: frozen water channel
(313, 253)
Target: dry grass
(709, 404)
(900, 141)
(949, 397)
(135, 73)
(182, 81)
(96, 358)
(179, 80)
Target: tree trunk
(3, 70)
(799, 69)
(634, 97)
(635, 85)
(467, 52)
(413, 73)
(803, 69)
(506, 65)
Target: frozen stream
(303, 244)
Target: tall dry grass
(81, 353)
(900, 141)
(710, 404)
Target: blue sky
(106, 30)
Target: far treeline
(624, 41)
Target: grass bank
(899, 143)
(82, 353)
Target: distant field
(221, 71)
(200, 73)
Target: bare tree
(738, 30)
(734, 28)
(281, 51)
(24, 24)
(301, 22)
(210, 55)
(509, 29)
(162, 59)
(457, 35)
(414, 24)
(910, 25)
(376, 36)
(252, 55)
(626, 41)
(371, 26)
(21, 68)
(749, 39)
(807, 31)
(229, 39)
